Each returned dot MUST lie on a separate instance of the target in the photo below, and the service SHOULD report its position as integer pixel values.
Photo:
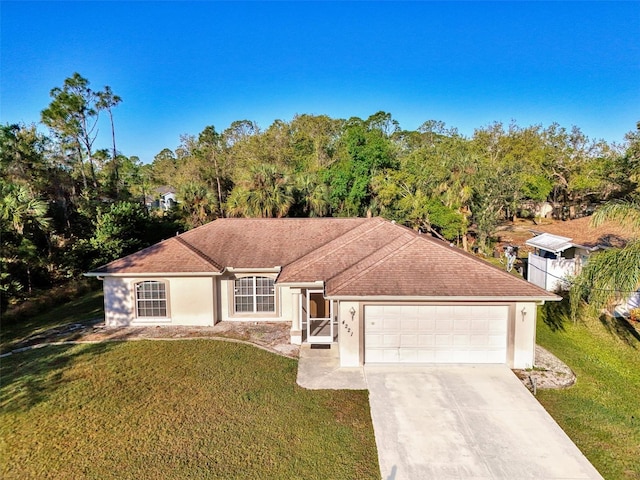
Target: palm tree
(613, 275)
(197, 204)
(19, 208)
(265, 193)
(313, 195)
(21, 217)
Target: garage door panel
(436, 334)
(461, 324)
(373, 340)
(444, 325)
(409, 323)
(461, 341)
(479, 325)
(390, 356)
(497, 325)
(408, 355)
(426, 324)
(496, 340)
(478, 340)
(390, 340)
(409, 340)
(391, 323)
(426, 356)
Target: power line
(571, 283)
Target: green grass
(86, 307)
(601, 412)
(175, 410)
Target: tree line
(67, 205)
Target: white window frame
(253, 295)
(161, 297)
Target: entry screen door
(319, 318)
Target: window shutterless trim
(254, 294)
(151, 299)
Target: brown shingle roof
(581, 232)
(426, 267)
(266, 242)
(354, 256)
(343, 252)
(168, 256)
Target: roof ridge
(198, 252)
(374, 264)
(353, 237)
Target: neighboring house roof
(583, 234)
(165, 190)
(353, 256)
(550, 242)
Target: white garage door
(435, 334)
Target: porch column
(296, 324)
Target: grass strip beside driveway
(601, 412)
(193, 409)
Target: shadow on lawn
(30, 377)
(556, 314)
(621, 328)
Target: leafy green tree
(121, 229)
(314, 141)
(365, 150)
(217, 166)
(22, 156)
(165, 168)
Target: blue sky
(180, 66)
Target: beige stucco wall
(118, 301)
(284, 302)
(350, 334)
(524, 335)
(190, 301)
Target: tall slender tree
(72, 116)
(106, 101)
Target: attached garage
(436, 333)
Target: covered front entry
(436, 333)
(319, 318)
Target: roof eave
(151, 274)
(417, 298)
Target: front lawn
(176, 410)
(601, 412)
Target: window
(151, 299)
(254, 294)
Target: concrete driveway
(466, 422)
